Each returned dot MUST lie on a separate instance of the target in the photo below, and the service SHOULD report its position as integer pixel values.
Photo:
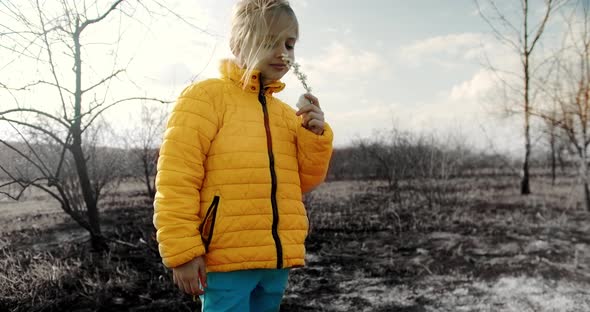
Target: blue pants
(244, 291)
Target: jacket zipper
(211, 213)
(273, 176)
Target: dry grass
(37, 274)
(42, 279)
(483, 248)
(369, 253)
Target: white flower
(302, 77)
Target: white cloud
(343, 77)
(354, 110)
(366, 114)
(466, 108)
(354, 83)
(475, 88)
(444, 50)
(344, 60)
(361, 122)
(459, 113)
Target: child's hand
(188, 275)
(313, 116)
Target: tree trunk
(587, 196)
(92, 213)
(553, 157)
(562, 163)
(98, 243)
(525, 188)
(146, 174)
(524, 183)
(584, 176)
(97, 240)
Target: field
(480, 247)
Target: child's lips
(278, 66)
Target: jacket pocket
(208, 224)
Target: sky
(417, 66)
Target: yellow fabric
(214, 158)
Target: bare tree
(389, 151)
(143, 142)
(570, 89)
(52, 141)
(523, 40)
(556, 139)
(436, 163)
(421, 167)
(552, 134)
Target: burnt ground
(475, 246)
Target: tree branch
(47, 171)
(497, 33)
(25, 87)
(104, 80)
(100, 18)
(36, 111)
(27, 158)
(541, 27)
(97, 114)
(62, 156)
(65, 205)
(40, 129)
(180, 17)
(48, 191)
(23, 184)
(50, 55)
(20, 53)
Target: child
(233, 165)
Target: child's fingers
(314, 100)
(316, 124)
(315, 115)
(311, 116)
(308, 108)
(203, 276)
(196, 288)
(185, 287)
(179, 283)
(305, 109)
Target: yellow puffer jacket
(232, 168)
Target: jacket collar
(232, 71)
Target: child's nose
(280, 50)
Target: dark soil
(365, 253)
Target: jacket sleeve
(313, 156)
(191, 127)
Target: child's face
(282, 39)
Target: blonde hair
(250, 38)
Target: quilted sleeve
(313, 156)
(191, 127)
